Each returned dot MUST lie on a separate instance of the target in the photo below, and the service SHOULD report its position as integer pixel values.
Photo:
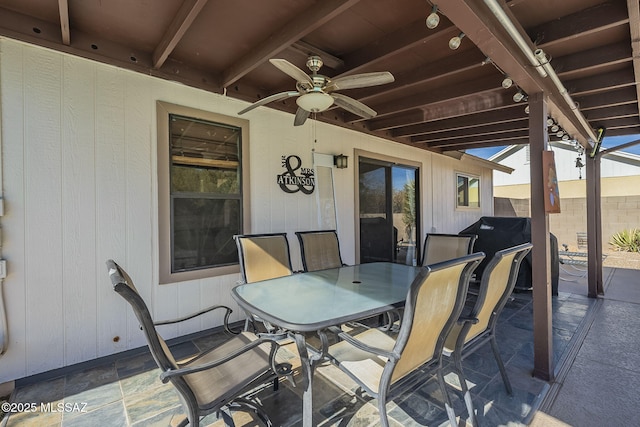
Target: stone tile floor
(126, 391)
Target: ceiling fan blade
(353, 106)
(293, 71)
(360, 80)
(271, 98)
(301, 117)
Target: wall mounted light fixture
(340, 161)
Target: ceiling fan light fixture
(315, 102)
(454, 43)
(433, 19)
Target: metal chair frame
(261, 350)
(416, 348)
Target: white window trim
(470, 176)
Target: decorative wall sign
(551, 191)
(289, 182)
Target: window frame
(469, 177)
(163, 111)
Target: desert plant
(626, 240)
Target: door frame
(393, 161)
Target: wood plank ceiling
(441, 100)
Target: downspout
(4, 328)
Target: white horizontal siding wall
(565, 167)
(79, 160)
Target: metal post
(541, 255)
(594, 228)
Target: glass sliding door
(388, 212)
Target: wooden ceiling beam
(616, 112)
(188, 12)
(613, 80)
(63, 7)
(597, 18)
(480, 131)
(408, 37)
(411, 117)
(448, 93)
(429, 72)
(626, 95)
(504, 115)
(633, 9)
(316, 16)
(508, 138)
(592, 59)
(485, 30)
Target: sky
(607, 142)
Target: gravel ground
(616, 259)
(623, 260)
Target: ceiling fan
(316, 92)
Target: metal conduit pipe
(546, 64)
(497, 10)
(542, 65)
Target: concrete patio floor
(595, 352)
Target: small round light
(433, 20)
(565, 137)
(559, 133)
(507, 82)
(454, 43)
(526, 109)
(550, 121)
(555, 128)
(519, 96)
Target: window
(201, 192)
(468, 191)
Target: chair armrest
(164, 376)
(465, 319)
(199, 313)
(362, 346)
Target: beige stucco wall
(610, 187)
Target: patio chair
(381, 364)
(475, 329)
(319, 249)
(263, 257)
(440, 247)
(216, 380)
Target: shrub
(626, 240)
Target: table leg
(307, 367)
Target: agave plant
(626, 240)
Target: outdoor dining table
(313, 301)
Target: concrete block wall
(618, 213)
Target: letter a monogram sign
(290, 182)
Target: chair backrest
(497, 283)
(124, 286)
(443, 247)
(319, 249)
(263, 256)
(434, 303)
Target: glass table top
(315, 300)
